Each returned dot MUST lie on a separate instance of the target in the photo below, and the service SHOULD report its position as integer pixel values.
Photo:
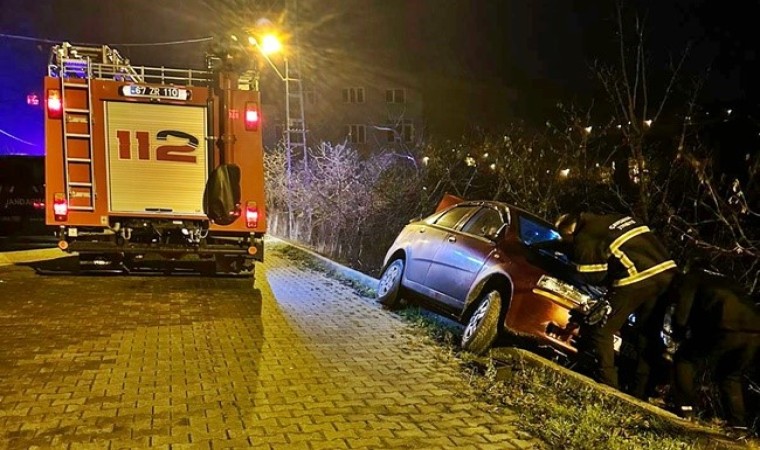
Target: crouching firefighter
(718, 328)
(625, 255)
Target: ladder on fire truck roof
(103, 62)
(69, 60)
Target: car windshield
(534, 232)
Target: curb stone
(346, 272)
(27, 256)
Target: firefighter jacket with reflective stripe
(618, 250)
(708, 301)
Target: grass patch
(561, 410)
(441, 331)
(570, 414)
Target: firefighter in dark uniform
(620, 252)
(718, 327)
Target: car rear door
(462, 254)
(427, 238)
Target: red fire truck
(151, 166)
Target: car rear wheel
(483, 327)
(389, 287)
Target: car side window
(452, 217)
(533, 232)
(485, 223)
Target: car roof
(501, 205)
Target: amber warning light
(252, 117)
(54, 104)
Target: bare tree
(636, 109)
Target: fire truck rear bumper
(255, 251)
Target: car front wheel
(483, 327)
(389, 288)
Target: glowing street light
(270, 44)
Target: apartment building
(372, 110)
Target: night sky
(479, 62)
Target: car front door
(462, 254)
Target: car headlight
(565, 290)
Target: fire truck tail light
(251, 215)
(60, 207)
(54, 104)
(252, 117)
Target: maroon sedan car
(488, 265)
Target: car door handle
(422, 230)
(452, 238)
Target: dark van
(22, 204)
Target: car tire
(482, 328)
(389, 287)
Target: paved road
(190, 362)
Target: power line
(3, 132)
(27, 38)
(153, 44)
(129, 44)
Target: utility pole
(295, 123)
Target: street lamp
(267, 45)
(270, 44)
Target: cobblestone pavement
(191, 362)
